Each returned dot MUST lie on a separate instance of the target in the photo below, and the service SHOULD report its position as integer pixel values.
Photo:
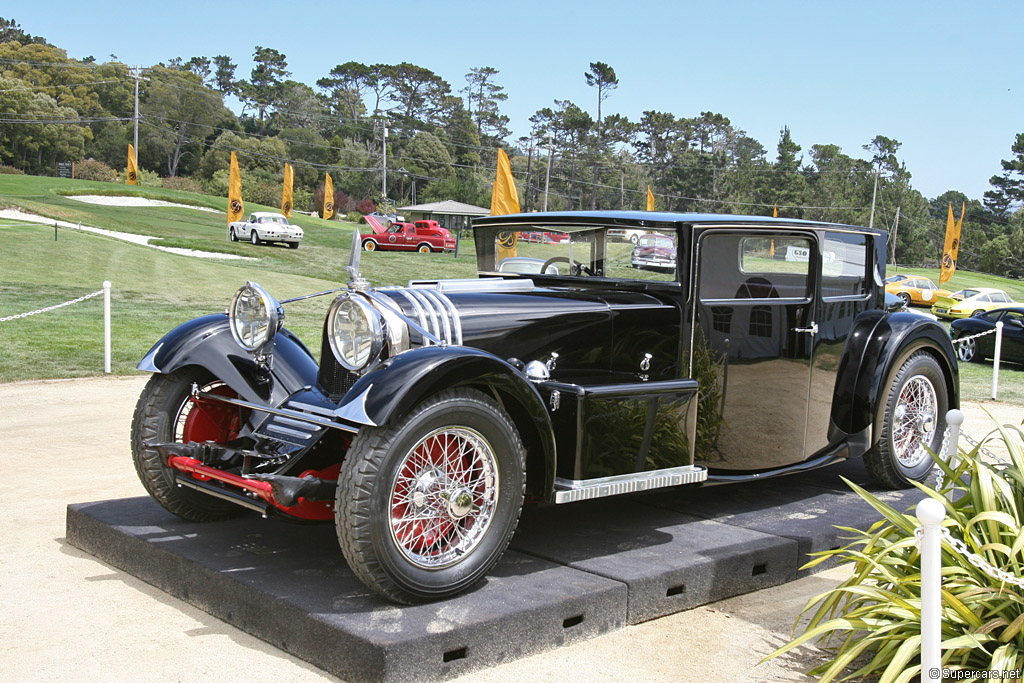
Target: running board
(573, 490)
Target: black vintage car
(437, 408)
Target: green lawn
(152, 290)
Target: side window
(740, 267)
(844, 261)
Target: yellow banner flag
(775, 211)
(132, 175)
(505, 200)
(952, 247)
(650, 199)
(235, 204)
(328, 210)
(286, 191)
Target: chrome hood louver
(431, 308)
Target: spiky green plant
(871, 622)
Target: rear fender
(878, 346)
(207, 342)
(387, 395)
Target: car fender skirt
(387, 395)
(207, 342)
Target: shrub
(181, 183)
(877, 611)
(149, 178)
(90, 169)
(366, 206)
(10, 170)
(353, 216)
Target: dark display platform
(573, 571)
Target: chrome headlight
(354, 331)
(254, 317)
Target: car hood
(590, 330)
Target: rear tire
(976, 313)
(254, 238)
(914, 420)
(293, 245)
(426, 507)
(234, 236)
(162, 415)
(423, 249)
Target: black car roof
(645, 219)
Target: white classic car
(266, 226)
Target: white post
(995, 359)
(931, 513)
(954, 418)
(106, 326)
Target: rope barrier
(106, 317)
(51, 308)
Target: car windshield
(580, 251)
(656, 241)
(280, 220)
(896, 278)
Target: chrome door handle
(813, 329)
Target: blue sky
(941, 77)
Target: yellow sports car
(971, 302)
(914, 290)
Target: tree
(482, 98)
(263, 89)
(1008, 189)
(224, 75)
(345, 86)
(10, 32)
(602, 77)
(179, 112)
(36, 147)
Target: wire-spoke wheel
(426, 506)
(912, 425)
(444, 496)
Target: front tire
(369, 245)
(426, 507)
(166, 413)
(905, 298)
(913, 422)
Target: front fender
(207, 342)
(878, 346)
(388, 394)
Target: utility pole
(547, 177)
(384, 159)
(529, 166)
(874, 195)
(136, 73)
(895, 228)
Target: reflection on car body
(761, 347)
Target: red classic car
(423, 236)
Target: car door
(755, 319)
(1013, 335)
